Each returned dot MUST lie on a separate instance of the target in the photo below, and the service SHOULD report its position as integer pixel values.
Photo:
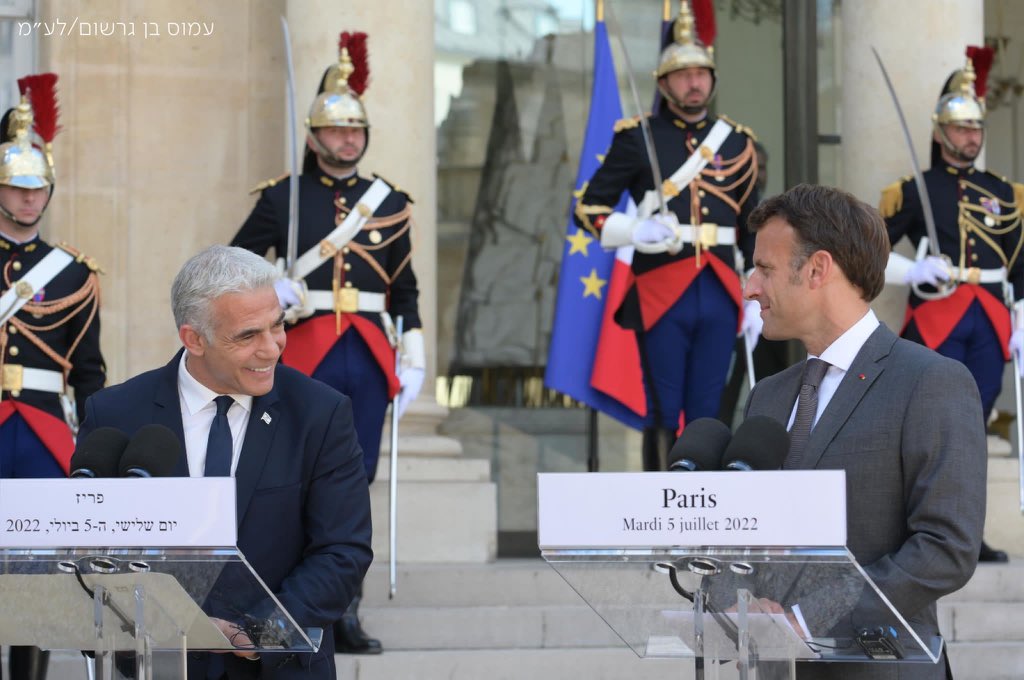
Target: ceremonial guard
(689, 235)
(968, 273)
(352, 285)
(50, 360)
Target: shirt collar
(197, 396)
(844, 349)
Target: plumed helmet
(692, 35)
(962, 101)
(28, 130)
(339, 101)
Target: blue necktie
(218, 446)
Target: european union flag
(583, 286)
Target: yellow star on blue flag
(578, 242)
(593, 284)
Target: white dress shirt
(840, 354)
(197, 412)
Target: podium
(100, 591)
(701, 565)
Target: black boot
(349, 636)
(28, 663)
(989, 554)
(656, 443)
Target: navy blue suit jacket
(303, 502)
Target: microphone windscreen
(702, 443)
(98, 453)
(154, 450)
(760, 442)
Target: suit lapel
(167, 410)
(263, 422)
(867, 366)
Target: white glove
(292, 296)
(752, 322)
(931, 270)
(658, 234)
(412, 369)
(412, 381)
(1016, 344)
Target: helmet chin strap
(327, 156)
(10, 216)
(669, 97)
(952, 150)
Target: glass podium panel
(743, 604)
(84, 598)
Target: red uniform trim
(310, 341)
(52, 432)
(660, 288)
(936, 319)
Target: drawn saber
(645, 126)
(393, 477)
(922, 189)
(291, 252)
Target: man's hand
(931, 270)
(238, 638)
(752, 322)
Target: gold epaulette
(892, 198)
(1018, 193)
(394, 187)
(267, 183)
(740, 128)
(81, 257)
(626, 123)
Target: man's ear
(820, 266)
(192, 339)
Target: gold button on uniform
(704, 211)
(12, 329)
(970, 241)
(14, 351)
(348, 284)
(701, 193)
(974, 257)
(345, 250)
(347, 267)
(16, 266)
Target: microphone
(153, 452)
(98, 453)
(760, 443)
(700, 446)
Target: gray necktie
(806, 407)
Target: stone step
(506, 582)
(970, 661)
(461, 524)
(987, 660)
(489, 627)
(981, 621)
(994, 583)
(513, 664)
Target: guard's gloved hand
(658, 233)
(292, 296)
(931, 270)
(752, 322)
(412, 369)
(1016, 344)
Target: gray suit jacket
(906, 426)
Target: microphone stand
(702, 605)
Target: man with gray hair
(288, 440)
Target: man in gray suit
(904, 422)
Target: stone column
(171, 112)
(921, 42)
(399, 102)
